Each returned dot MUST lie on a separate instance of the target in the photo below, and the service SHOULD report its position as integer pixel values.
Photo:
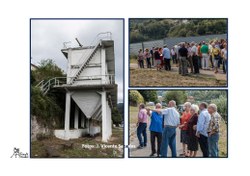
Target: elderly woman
(184, 121)
(142, 126)
(213, 131)
(191, 132)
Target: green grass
(223, 140)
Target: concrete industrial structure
(90, 87)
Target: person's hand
(210, 134)
(137, 124)
(194, 127)
(198, 135)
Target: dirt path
(151, 77)
(145, 152)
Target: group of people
(197, 56)
(199, 125)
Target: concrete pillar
(82, 119)
(103, 65)
(76, 120)
(104, 117)
(67, 111)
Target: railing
(84, 58)
(45, 86)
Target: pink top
(142, 116)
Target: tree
(48, 108)
(178, 96)
(221, 103)
(135, 98)
(206, 95)
(46, 70)
(116, 116)
(153, 29)
(149, 95)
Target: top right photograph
(165, 52)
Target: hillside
(153, 29)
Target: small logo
(18, 154)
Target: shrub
(135, 98)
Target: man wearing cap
(167, 58)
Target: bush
(221, 103)
(135, 98)
(45, 108)
(116, 117)
(178, 96)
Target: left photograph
(76, 88)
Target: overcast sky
(47, 37)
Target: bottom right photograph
(178, 123)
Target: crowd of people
(204, 55)
(199, 125)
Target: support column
(76, 120)
(103, 65)
(104, 117)
(82, 120)
(67, 112)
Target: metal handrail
(57, 81)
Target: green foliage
(46, 70)
(149, 95)
(221, 103)
(135, 98)
(48, 108)
(153, 29)
(206, 95)
(179, 96)
(44, 107)
(116, 116)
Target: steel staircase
(84, 64)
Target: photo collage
(177, 93)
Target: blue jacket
(156, 122)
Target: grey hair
(188, 104)
(195, 108)
(213, 106)
(158, 104)
(174, 103)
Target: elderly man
(155, 129)
(213, 131)
(202, 129)
(171, 120)
(183, 53)
(195, 58)
(167, 57)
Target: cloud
(48, 36)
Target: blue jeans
(213, 145)
(141, 130)
(168, 139)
